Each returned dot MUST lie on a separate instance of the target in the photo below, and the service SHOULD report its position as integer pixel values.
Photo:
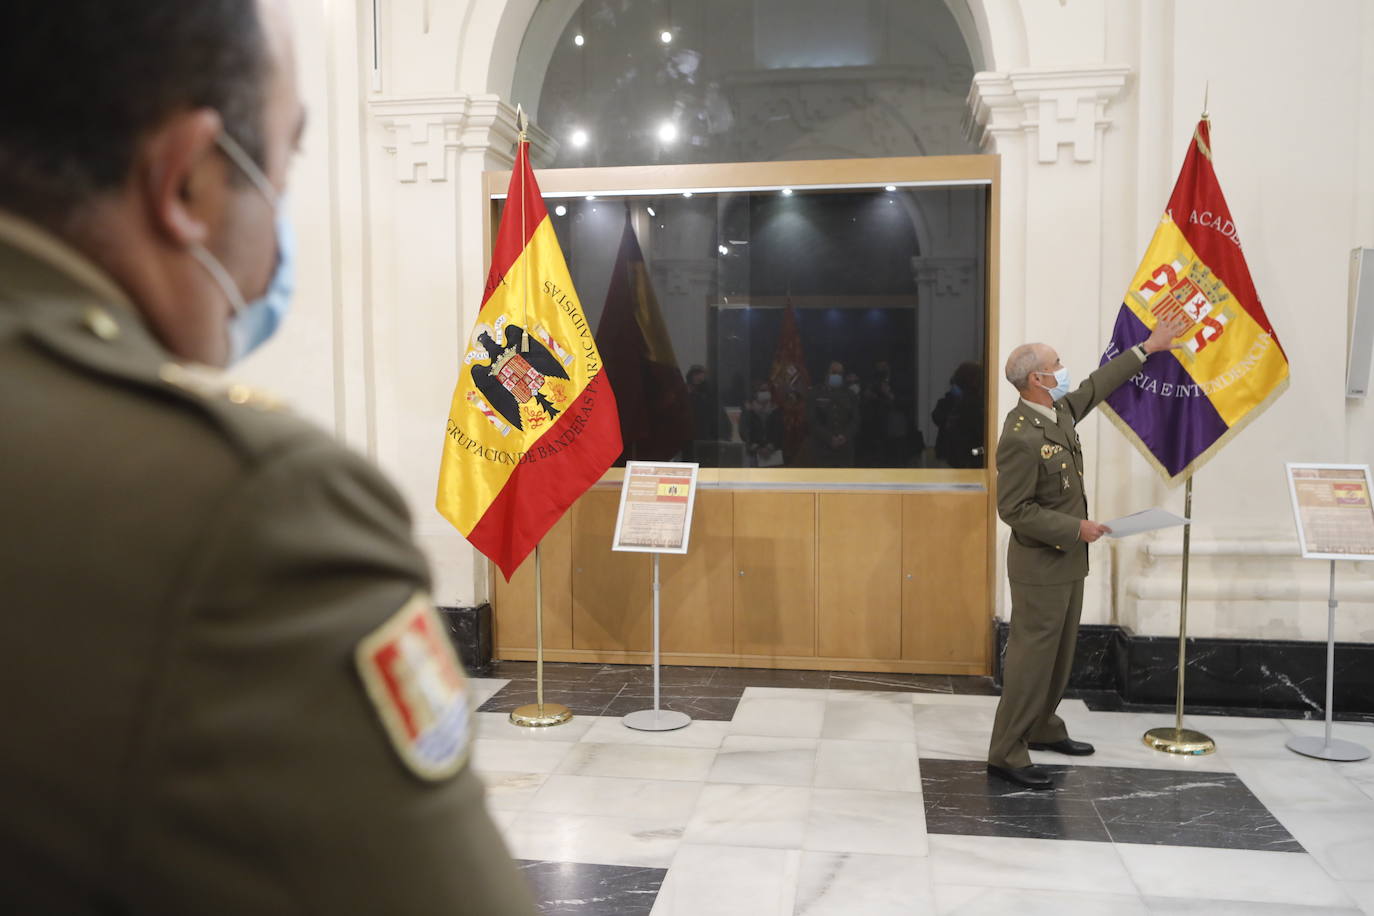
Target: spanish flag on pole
(1183, 407)
(533, 421)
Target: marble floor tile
(935, 718)
(1339, 836)
(503, 819)
(975, 700)
(1065, 866)
(579, 889)
(699, 733)
(770, 677)
(767, 761)
(1295, 782)
(858, 820)
(750, 815)
(511, 791)
(965, 900)
(905, 683)
(1363, 780)
(669, 800)
(637, 761)
(1172, 906)
(521, 693)
(953, 745)
(1231, 874)
(730, 881)
(717, 709)
(973, 685)
(1362, 892)
(868, 720)
(867, 765)
(791, 693)
(483, 688)
(498, 725)
(513, 755)
(850, 884)
(780, 717)
(649, 842)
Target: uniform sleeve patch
(418, 688)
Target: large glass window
(789, 327)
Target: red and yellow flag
(533, 421)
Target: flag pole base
(1173, 740)
(1334, 749)
(537, 715)
(657, 720)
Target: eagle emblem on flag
(512, 369)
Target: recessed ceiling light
(591, 197)
(686, 193)
(786, 192)
(722, 249)
(579, 40)
(667, 132)
(560, 210)
(666, 37)
(891, 187)
(579, 137)
(651, 211)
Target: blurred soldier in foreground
(227, 690)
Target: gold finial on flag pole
(1206, 90)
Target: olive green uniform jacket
(1040, 491)
(187, 573)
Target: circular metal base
(533, 715)
(657, 720)
(1172, 740)
(1335, 750)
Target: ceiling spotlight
(579, 40)
(667, 132)
(722, 249)
(651, 211)
(591, 197)
(891, 187)
(786, 192)
(579, 138)
(560, 210)
(666, 37)
(686, 193)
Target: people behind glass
(887, 437)
(832, 414)
(710, 425)
(959, 418)
(761, 427)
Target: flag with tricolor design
(533, 421)
(1185, 404)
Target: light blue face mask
(253, 323)
(1061, 384)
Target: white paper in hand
(1146, 520)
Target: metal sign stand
(656, 719)
(1328, 748)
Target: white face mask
(1061, 386)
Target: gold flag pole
(1180, 740)
(537, 714)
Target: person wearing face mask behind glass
(227, 691)
(1041, 496)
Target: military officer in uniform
(832, 411)
(226, 690)
(1040, 494)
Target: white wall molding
(425, 130)
(1062, 106)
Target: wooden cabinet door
(775, 573)
(946, 614)
(859, 566)
(612, 599)
(512, 603)
(698, 588)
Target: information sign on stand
(1335, 516)
(655, 517)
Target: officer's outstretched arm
(306, 746)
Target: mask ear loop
(221, 277)
(240, 158)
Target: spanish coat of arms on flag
(533, 420)
(1184, 406)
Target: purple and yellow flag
(1186, 404)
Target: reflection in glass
(821, 329)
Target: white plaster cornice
(423, 129)
(1064, 106)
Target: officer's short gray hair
(1024, 360)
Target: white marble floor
(810, 802)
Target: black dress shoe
(1030, 777)
(1067, 746)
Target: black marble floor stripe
(579, 889)
(1103, 804)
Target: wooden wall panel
(698, 587)
(775, 573)
(612, 601)
(946, 611)
(859, 575)
(513, 602)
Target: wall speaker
(1361, 323)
